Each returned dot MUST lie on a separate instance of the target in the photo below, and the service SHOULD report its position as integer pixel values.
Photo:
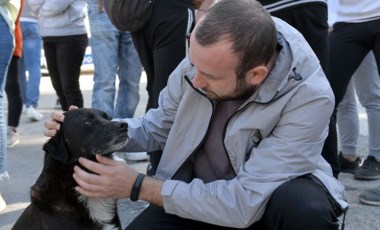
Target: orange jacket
(18, 34)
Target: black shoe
(370, 170)
(348, 166)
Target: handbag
(129, 15)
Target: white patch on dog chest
(101, 210)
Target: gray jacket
(60, 17)
(27, 13)
(275, 136)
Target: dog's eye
(88, 122)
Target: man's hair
(247, 25)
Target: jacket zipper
(204, 136)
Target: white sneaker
(135, 156)
(4, 176)
(12, 137)
(3, 205)
(33, 114)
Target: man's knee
(300, 204)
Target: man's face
(215, 75)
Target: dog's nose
(123, 126)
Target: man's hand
(52, 126)
(109, 178)
(114, 179)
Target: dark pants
(349, 44)
(300, 204)
(161, 46)
(13, 90)
(64, 56)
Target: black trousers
(13, 90)
(64, 56)
(298, 204)
(349, 44)
(161, 46)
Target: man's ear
(256, 75)
(56, 147)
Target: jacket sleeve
(150, 132)
(291, 149)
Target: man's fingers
(51, 128)
(86, 185)
(93, 166)
(73, 107)
(57, 116)
(106, 160)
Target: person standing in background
(366, 83)
(9, 10)
(12, 86)
(114, 54)
(354, 34)
(65, 40)
(30, 66)
(161, 45)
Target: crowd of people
(234, 92)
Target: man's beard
(242, 92)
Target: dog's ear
(56, 147)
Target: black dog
(54, 202)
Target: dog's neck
(102, 211)
(56, 185)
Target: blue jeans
(113, 53)
(30, 62)
(6, 44)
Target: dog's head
(84, 133)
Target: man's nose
(198, 81)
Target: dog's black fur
(54, 202)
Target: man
(241, 131)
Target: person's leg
(169, 49)
(32, 60)
(347, 50)
(367, 83)
(104, 42)
(7, 46)
(298, 204)
(50, 49)
(129, 78)
(13, 91)
(348, 127)
(348, 122)
(70, 53)
(155, 218)
(301, 204)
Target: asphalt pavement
(25, 163)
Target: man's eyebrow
(208, 75)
